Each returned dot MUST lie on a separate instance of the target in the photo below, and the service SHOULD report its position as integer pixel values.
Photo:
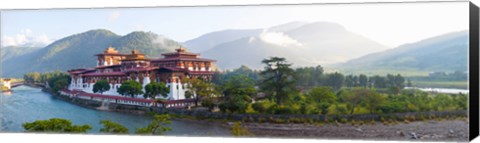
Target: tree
(157, 126)
(238, 90)
(349, 82)
(277, 79)
(203, 90)
(154, 88)
(335, 80)
(101, 86)
(409, 83)
(55, 125)
(130, 88)
(353, 98)
(60, 84)
(112, 127)
(323, 97)
(363, 80)
(373, 100)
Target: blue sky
(389, 24)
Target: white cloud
(278, 38)
(26, 38)
(114, 16)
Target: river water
(27, 104)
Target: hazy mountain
(146, 42)
(446, 52)
(303, 44)
(14, 51)
(210, 40)
(78, 51)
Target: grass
(441, 84)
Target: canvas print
(371, 71)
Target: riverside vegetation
(280, 89)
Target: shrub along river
(27, 104)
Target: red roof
(183, 59)
(140, 69)
(100, 67)
(106, 74)
(173, 69)
(79, 71)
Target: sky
(389, 24)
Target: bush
(282, 110)
(238, 130)
(263, 106)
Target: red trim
(106, 74)
(183, 59)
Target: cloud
(26, 38)
(113, 16)
(278, 38)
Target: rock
(413, 135)
(359, 130)
(400, 133)
(450, 131)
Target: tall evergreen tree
(277, 79)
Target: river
(27, 104)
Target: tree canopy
(278, 79)
(157, 126)
(130, 88)
(112, 127)
(155, 88)
(57, 125)
(101, 86)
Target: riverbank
(431, 130)
(436, 126)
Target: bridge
(15, 84)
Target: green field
(441, 84)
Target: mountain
(448, 52)
(210, 40)
(303, 44)
(146, 42)
(76, 51)
(14, 51)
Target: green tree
(155, 88)
(277, 79)
(353, 98)
(112, 127)
(130, 88)
(157, 126)
(101, 86)
(238, 90)
(335, 80)
(55, 125)
(322, 97)
(373, 100)
(363, 80)
(203, 91)
(60, 84)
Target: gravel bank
(430, 130)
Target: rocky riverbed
(430, 130)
